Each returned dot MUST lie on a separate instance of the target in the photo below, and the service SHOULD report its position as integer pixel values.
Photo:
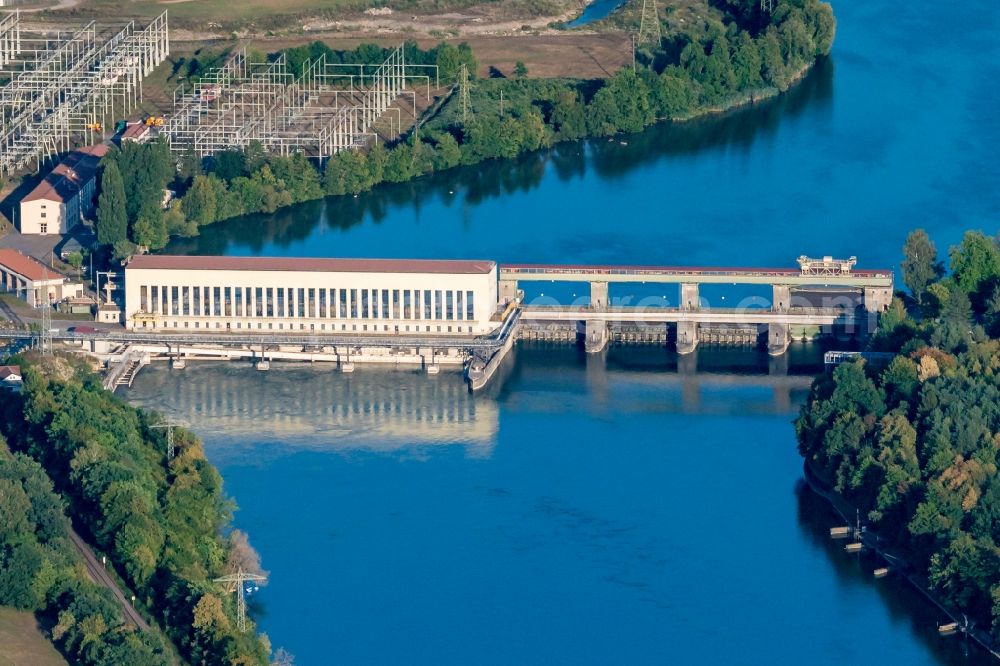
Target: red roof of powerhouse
(26, 267)
(310, 265)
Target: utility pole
(240, 579)
(463, 91)
(46, 338)
(107, 285)
(169, 427)
(649, 24)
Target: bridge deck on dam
(692, 274)
(795, 315)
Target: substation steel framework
(60, 88)
(318, 114)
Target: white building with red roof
(10, 375)
(65, 196)
(32, 280)
(312, 295)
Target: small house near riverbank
(10, 377)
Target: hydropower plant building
(312, 296)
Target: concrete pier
(690, 296)
(777, 338)
(599, 295)
(687, 337)
(781, 298)
(596, 336)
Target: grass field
(278, 14)
(22, 642)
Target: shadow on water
(471, 186)
(906, 605)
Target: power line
(240, 579)
(649, 24)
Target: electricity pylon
(767, 6)
(240, 579)
(649, 24)
(463, 91)
(169, 426)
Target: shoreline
(745, 101)
(839, 505)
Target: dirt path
(100, 576)
(62, 4)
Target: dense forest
(748, 56)
(914, 444)
(41, 572)
(161, 525)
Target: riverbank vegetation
(915, 445)
(717, 65)
(41, 572)
(160, 524)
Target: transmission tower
(463, 91)
(240, 579)
(45, 339)
(649, 24)
(767, 6)
(169, 427)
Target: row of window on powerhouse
(311, 303)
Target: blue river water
(594, 11)
(622, 509)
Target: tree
(448, 61)
(150, 229)
(112, 221)
(75, 259)
(520, 69)
(975, 263)
(920, 263)
(621, 105)
(146, 170)
(955, 328)
(447, 153)
(824, 26)
(230, 163)
(199, 203)
(797, 46)
(747, 62)
(772, 64)
(569, 119)
(190, 166)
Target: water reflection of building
(305, 407)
